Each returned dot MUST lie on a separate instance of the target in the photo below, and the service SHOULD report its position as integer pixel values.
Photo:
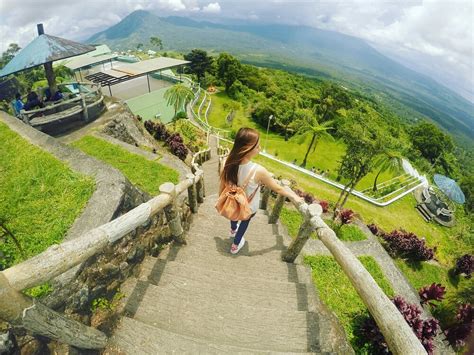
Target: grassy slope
(327, 155)
(340, 296)
(40, 197)
(400, 214)
(147, 175)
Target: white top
(244, 170)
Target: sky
(434, 37)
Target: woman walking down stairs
(199, 298)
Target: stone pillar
(278, 204)
(172, 214)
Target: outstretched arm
(264, 178)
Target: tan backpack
(233, 202)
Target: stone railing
(398, 334)
(22, 311)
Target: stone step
(205, 284)
(134, 337)
(266, 266)
(223, 321)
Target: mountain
(324, 54)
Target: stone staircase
(198, 298)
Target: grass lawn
(327, 155)
(339, 295)
(40, 197)
(292, 219)
(147, 175)
(451, 242)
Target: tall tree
(285, 112)
(364, 141)
(228, 69)
(332, 98)
(8, 55)
(200, 63)
(157, 42)
(308, 126)
(433, 144)
(178, 96)
(139, 45)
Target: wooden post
(85, 113)
(21, 311)
(303, 234)
(278, 204)
(172, 214)
(200, 187)
(192, 194)
(265, 197)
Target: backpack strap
(250, 176)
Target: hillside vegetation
(316, 53)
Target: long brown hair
(245, 140)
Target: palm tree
(308, 125)
(390, 161)
(178, 96)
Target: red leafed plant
(324, 205)
(458, 333)
(433, 292)
(375, 229)
(465, 265)
(425, 330)
(308, 196)
(346, 216)
(407, 245)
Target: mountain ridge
(346, 59)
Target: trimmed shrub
(176, 144)
(407, 245)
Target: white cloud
(212, 7)
(440, 31)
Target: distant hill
(311, 51)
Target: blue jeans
(242, 229)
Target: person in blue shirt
(18, 104)
(58, 95)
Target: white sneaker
(235, 249)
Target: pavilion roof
(133, 70)
(44, 49)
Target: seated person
(58, 95)
(32, 101)
(18, 104)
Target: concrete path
(199, 298)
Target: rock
(8, 343)
(136, 255)
(34, 347)
(81, 299)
